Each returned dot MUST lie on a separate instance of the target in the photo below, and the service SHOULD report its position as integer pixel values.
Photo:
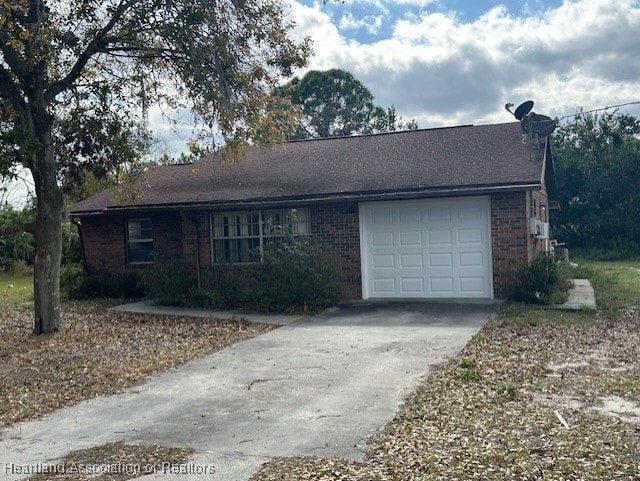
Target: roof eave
(448, 191)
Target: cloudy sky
(451, 62)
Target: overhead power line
(635, 102)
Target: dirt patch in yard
(97, 352)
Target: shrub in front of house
(542, 281)
(231, 286)
(77, 285)
(168, 283)
(296, 275)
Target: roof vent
(534, 126)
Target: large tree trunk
(46, 273)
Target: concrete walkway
(581, 296)
(319, 386)
(145, 308)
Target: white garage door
(430, 248)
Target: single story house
(435, 213)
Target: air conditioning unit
(542, 230)
(538, 229)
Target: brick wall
(512, 243)
(510, 239)
(196, 230)
(335, 227)
(541, 213)
(105, 241)
(167, 236)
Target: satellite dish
(534, 126)
(523, 109)
(537, 124)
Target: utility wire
(635, 102)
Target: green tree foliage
(16, 245)
(597, 161)
(334, 103)
(90, 63)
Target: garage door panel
(410, 215)
(412, 285)
(470, 213)
(441, 286)
(382, 286)
(383, 261)
(439, 237)
(443, 259)
(439, 215)
(410, 238)
(470, 236)
(472, 285)
(426, 248)
(411, 261)
(382, 216)
(382, 239)
(471, 259)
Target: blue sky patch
(370, 21)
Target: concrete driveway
(318, 386)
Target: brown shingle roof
(434, 160)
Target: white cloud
(443, 71)
(369, 23)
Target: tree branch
(124, 51)
(95, 46)
(17, 65)
(10, 91)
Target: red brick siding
(335, 227)
(509, 239)
(190, 222)
(105, 241)
(542, 214)
(103, 238)
(512, 242)
(167, 236)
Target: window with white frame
(240, 237)
(139, 241)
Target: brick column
(510, 240)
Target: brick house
(435, 213)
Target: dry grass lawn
(97, 352)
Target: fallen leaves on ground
(114, 462)
(500, 410)
(98, 351)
